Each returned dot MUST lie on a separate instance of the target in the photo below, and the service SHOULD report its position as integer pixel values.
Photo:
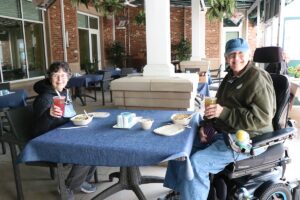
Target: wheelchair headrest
(270, 54)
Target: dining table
(13, 99)
(83, 81)
(101, 143)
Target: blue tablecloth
(203, 89)
(15, 99)
(100, 144)
(84, 80)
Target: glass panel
(291, 35)
(94, 49)
(82, 21)
(35, 49)
(13, 51)
(232, 35)
(30, 12)
(10, 8)
(93, 23)
(84, 48)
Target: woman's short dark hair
(55, 66)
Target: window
(22, 47)
(89, 42)
(272, 8)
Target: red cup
(60, 102)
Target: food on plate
(181, 116)
(82, 119)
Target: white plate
(169, 130)
(116, 126)
(100, 114)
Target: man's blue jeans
(205, 160)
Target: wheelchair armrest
(274, 137)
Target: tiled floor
(38, 185)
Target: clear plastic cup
(60, 102)
(210, 101)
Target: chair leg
(111, 100)
(95, 90)
(3, 148)
(102, 88)
(52, 173)
(1, 133)
(16, 169)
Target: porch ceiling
(241, 4)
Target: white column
(158, 39)
(198, 31)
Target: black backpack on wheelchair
(262, 177)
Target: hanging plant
(220, 9)
(105, 6)
(140, 18)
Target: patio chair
(20, 122)
(126, 71)
(103, 84)
(192, 70)
(216, 78)
(3, 120)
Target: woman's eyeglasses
(61, 76)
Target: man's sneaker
(173, 195)
(87, 187)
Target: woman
(49, 116)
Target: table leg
(78, 93)
(130, 179)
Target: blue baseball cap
(238, 44)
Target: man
(245, 100)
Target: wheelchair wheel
(277, 191)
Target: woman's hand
(56, 111)
(202, 135)
(213, 111)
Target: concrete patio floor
(38, 185)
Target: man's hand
(213, 111)
(55, 111)
(202, 135)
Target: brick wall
(133, 37)
(55, 33)
(252, 37)
(212, 39)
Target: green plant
(105, 6)
(220, 9)
(183, 49)
(117, 53)
(140, 18)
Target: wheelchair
(262, 177)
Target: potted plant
(183, 49)
(140, 18)
(117, 53)
(220, 9)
